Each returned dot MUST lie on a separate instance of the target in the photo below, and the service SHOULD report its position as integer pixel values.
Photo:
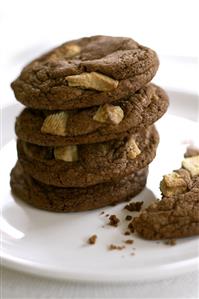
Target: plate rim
(130, 275)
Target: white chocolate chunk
(192, 165)
(65, 51)
(109, 114)
(55, 124)
(71, 50)
(67, 153)
(173, 184)
(92, 80)
(132, 149)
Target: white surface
(55, 244)
(169, 26)
(21, 286)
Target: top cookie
(86, 72)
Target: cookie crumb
(115, 247)
(132, 253)
(170, 242)
(102, 213)
(128, 218)
(113, 204)
(127, 233)
(134, 206)
(129, 241)
(113, 220)
(107, 215)
(92, 240)
(131, 227)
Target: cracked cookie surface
(74, 199)
(115, 67)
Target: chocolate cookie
(86, 72)
(79, 127)
(74, 199)
(176, 215)
(85, 165)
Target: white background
(27, 28)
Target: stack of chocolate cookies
(87, 137)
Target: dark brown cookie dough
(97, 163)
(141, 110)
(175, 216)
(43, 84)
(74, 199)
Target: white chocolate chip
(132, 149)
(55, 124)
(109, 114)
(92, 80)
(67, 153)
(192, 165)
(65, 51)
(71, 50)
(173, 184)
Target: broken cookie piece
(176, 215)
(109, 114)
(92, 80)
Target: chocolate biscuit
(86, 72)
(176, 215)
(92, 163)
(57, 199)
(140, 110)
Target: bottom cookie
(58, 199)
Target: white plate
(54, 245)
